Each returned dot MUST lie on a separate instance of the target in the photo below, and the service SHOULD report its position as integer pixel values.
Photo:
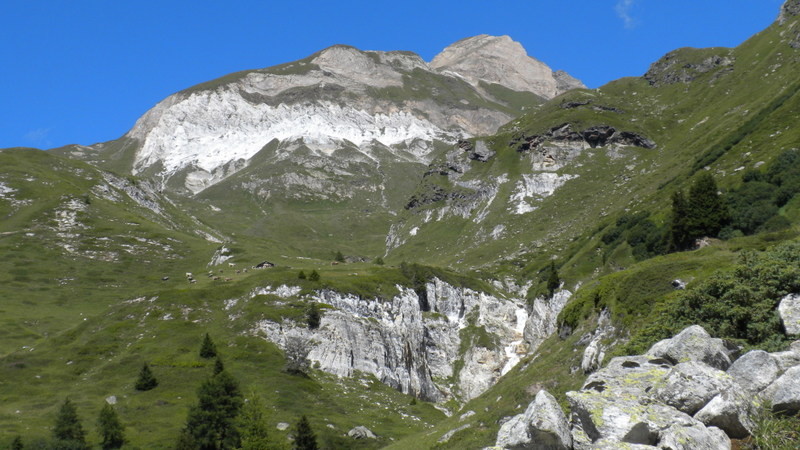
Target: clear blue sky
(83, 71)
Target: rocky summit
(362, 249)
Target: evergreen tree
(553, 281)
(68, 431)
(313, 316)
(211, 423)
(679, 237)
(218, 366)
(314, 276)
(207, 348)
(707, 212)
(339, 257)
(146, 379)
(16, 444)
(301, 275)
(379, 261)
(304, 438)
(185, 441)
(110, 428)
(253, 425)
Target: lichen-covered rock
(543, 426)
(694, 437)
(690, 385)
(789, 309)
(361, 432)
(755, 370)
(730, 411)
(695, 344)
(594, 353)
(784, 393)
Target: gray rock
(731, 412)
(789, 309)
(594, 353)
(784, 393)
(481, 152)
(542, 426)
(282, 426)
(694, 344)
(695, 437)
(755, 370)
(361, 432)
(610, 444)
(690, 385)
(111, 399)
(466, 415)
(787, 359)
(446, 437)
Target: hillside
(416, 248)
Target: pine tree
(110, 428)
(679, 237)
(706, 210)
(339, 257)
(301, 275)
(218, 366)
(16, 444)
(304, 438)
(211, 423)
(68, 431)
(314, 276)
(553, 281)
(207, 348)
(313, 316)
(146, 379)
(379, 261)
(253, 425)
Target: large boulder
(784, 393)
(543, 426)
(361, 432)
(755, 370)
(695, 344)
(730, 411)
(694, 437)
(690, 385)
(789, 309)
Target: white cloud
(39, 137)
(623, 9)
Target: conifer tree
(301, 275)
(707, 212)
(313, 316)
(253, 424)
(379, 261)
(218, 366)
(304, 437)
(16, 444)
(339, 257)
(679, 237)
(207, 348)
(146, 379)
(314, 276)
(212, 422)
(110, 428)
(68, 431)
(553, 281)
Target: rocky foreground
(689, 392)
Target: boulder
(542, 426)
(731, 412)
(690, 385)
(694, 437)
(784, 393)
(695, 344)
(754, 371)
(361, 432)
(789, 309)
(446, 437)
(282, 426)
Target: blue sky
(84, 71)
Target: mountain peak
(502, 60)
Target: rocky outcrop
(594, 353)
(500, 60)
(695, 344)
(543, 426)
(789, 309)
(685, 65)
(413, 341)
(754, 371)
(689, 386)
(784, 393)
(790, 8)
(592, 137)
(361, 432)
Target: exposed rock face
(542, 426)
(596, 136)
(500, 60)
(594, 353)
(542, 322)
(784, 393)
(412, 341)
(694, 344)
(683, 66)
(731, 411)
(691, 385)
(789, 309)
(789, 9)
